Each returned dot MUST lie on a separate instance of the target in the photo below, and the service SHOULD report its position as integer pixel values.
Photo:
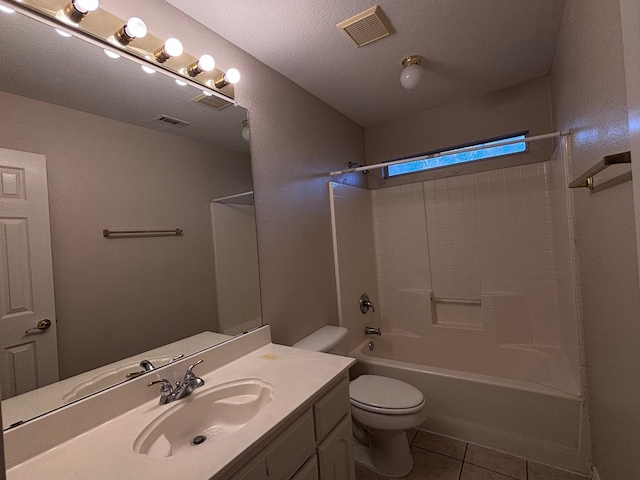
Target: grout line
(526, 469)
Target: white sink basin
(205, 416)
(110, 378)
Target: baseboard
(595, 474)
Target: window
(421, 164)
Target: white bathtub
(517, 399)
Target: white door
(28, 356)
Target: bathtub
(518, 399)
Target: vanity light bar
(154, 57)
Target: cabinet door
(309, 471)
(335, 453)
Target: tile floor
(441, 458)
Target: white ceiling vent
(367, 27)
(212, 101)
(174, 122)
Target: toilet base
(387, 453)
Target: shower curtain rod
(562, 133)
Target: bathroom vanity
(266, 411)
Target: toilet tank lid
(323, 339)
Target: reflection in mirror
(81, 151)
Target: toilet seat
(385, 395)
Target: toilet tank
(328, 339)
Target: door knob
(42, 325)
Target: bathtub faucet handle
(372, 331)
(365, 304)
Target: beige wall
(589, 96)
(511, 110)
(115, 298)
(295, 141)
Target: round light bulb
(173, 47)
(135, 28)
(5, 9)
(85, 6)
(246, 134)
(232, 75)
(111, 54)
(411, 76)
(206, 63)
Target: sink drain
(198, 440)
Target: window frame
(418, 157)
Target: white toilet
(382, 409)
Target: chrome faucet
(147, 366)
(189, 383)
(372, 331)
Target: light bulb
(111, 54)
(134, 28)
(85, 6)
(171, 48)
(232, 76)
(412, 73)
(5, 9)
(205, 63)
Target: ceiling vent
(367, 27)
(212, 101)
(174, 122)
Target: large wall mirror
(82, 150)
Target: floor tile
(471, 472)
(500, 462)
(364, 474)
(538, 471)
(439, 444)
(433, 466)
(411, 434)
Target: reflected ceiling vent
(174, 122)
(212, 101)
(367, 27)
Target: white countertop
(106, 452)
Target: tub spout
(372, 331)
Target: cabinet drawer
(331, 408)
(309, 471)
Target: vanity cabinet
(317, 445)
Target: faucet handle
(191, 367)
(166, 385)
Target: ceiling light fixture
(412, 73)
(76, 10)
(171, 48)
(232, 76)
(205, 63)
(245, 130)
(134, 28)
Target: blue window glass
(450, 157)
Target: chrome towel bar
(586, 179)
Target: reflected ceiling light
(147, 69)
(171, 48)
(207, 93)
(134, 28)
(181, 83)
(5, 9)
(205, 63)
(76, 10)
(111, 54)
(245, 130)
(412, 73)
(62, 33)
(232, 76)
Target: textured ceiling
(470, 47)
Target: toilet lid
(386, 395)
